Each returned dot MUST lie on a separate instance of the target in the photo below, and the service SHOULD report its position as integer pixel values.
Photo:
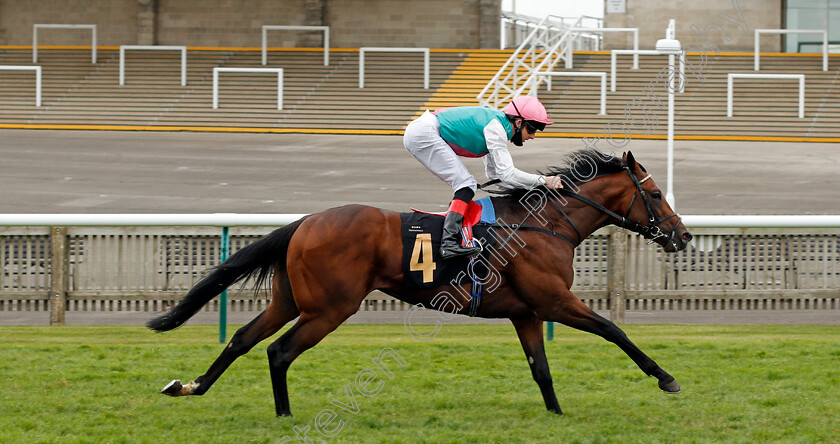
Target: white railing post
(219, 69)
(635, 48)
(183, 50)
(802, 97)
(549, 74)
(729, 96)
(825, 50)
(324, 29)
(508, 79)
(37, 70)
(758, 32)
(215, 88)
(38, 86)
(729, 88)
(363, 50)
(635, 32)
(38, 26)
(614, 61)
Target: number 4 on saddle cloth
(422, 265)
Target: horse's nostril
(686, 237)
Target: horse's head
(647, 207)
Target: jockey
(437, 139)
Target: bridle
(650, 231)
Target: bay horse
(322, 266)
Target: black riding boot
(449, 245)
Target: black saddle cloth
(421, 261)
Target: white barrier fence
(602, 75)
(37, 70)
(365, 49)
(60, 263)
(569, 53)
(38, 26)
(183, 50)
(758, 32)
(324, 29)
(616, 52)
(279, 72)
(731, 76)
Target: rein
(652, 229)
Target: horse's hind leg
(308, 331)
(281, 310)
(576, 314)
(530, 335)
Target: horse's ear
(630, 161)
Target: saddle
(479, 211)
(422, 266)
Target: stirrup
(448, 253)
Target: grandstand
(322, 98)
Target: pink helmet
(528, 108)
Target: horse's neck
(586, 219)
(589, 219)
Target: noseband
(652, 229)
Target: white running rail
(636, 53)
(38, 26)
(217, 70)
(602, 75)
(635, 31)
(365, 49)
(539, 52)
(37, 70)
(800, 77)
(183, 50)
(758, 33)
(324, 29)
(254, 220)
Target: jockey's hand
(553, 182)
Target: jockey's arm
(498, 164)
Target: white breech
(422, 139)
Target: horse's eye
(656, 195)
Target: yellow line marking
(212, 129)
(551, 135)
(703, 137)
(500, 52)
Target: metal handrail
(525, 57)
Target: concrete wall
(116, 21)
(226, 22)
(651, 17)
(429, 23)
(353, 23)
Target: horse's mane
(578, 167)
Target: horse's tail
(257, 259)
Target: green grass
(470, 384)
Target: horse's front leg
(568, 310)
(530, 334)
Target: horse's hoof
(173, 388)
(670, 386)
